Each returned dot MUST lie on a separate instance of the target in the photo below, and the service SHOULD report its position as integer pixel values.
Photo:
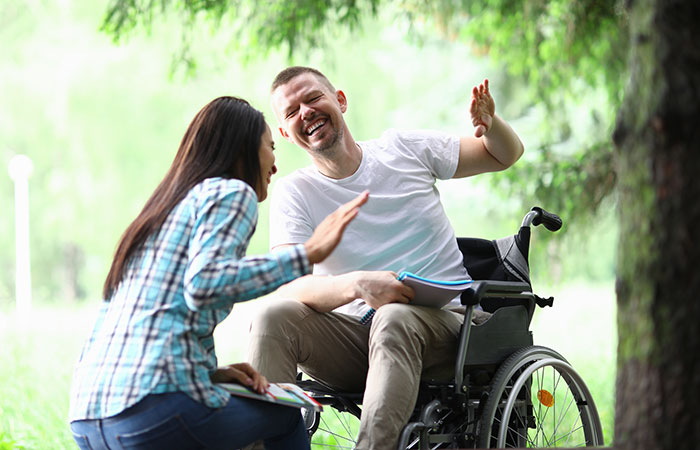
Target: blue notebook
(435, 293)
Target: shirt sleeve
(437, 151)
(218, 272)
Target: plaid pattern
(155, 334)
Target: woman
(146, 375)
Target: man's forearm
(503, 143)
(321, 293)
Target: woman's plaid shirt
(155, 334)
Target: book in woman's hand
(287, 394)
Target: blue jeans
(175, 421)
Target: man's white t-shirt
(403, 225)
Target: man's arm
(494, 146)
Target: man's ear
(342, 100)
(284, 134)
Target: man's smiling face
(310, 113)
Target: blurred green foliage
(563, 52)
(102, 122)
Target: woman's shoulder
(213, 189)
(223, 185)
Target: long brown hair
(223, 140)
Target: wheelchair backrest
(504, 259)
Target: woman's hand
(242, 373)
(327, 235)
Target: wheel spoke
(539, 404)
(563, 416)
(546, 412)
(514, 431)
(345, 424)
(327, 429)
(574, 429)
(568, 436)
(333, 446)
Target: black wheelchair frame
(505, 392)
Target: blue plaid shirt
(155, 333)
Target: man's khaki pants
(386, 359)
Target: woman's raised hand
(328, 233)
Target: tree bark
(658, 280)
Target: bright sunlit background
(101, 123)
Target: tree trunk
(658, 281)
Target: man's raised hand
(482, 108)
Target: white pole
(20, 168)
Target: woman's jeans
(175, 421)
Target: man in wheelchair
(351, 324)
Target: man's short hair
(289, 73)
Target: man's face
(310, 114)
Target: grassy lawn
(38, 356)
(37, 359)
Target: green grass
(7, 443)
(38, 356)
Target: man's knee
(394, 315)
(396, 324)
(278, 316)
(273, 345)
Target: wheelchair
(506, 392)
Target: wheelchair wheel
(537, 400)
(331, 428)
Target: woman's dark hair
(223, 140)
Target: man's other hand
(381, 287)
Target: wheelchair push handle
(538, 216)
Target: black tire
(548, 395)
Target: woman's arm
(217, 274)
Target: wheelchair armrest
(490, 288)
